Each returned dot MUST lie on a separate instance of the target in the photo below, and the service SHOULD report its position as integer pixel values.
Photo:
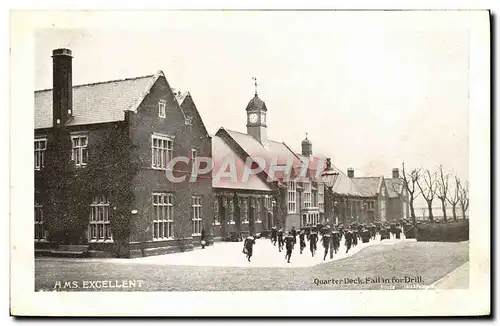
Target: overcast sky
(371, 88)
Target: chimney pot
(395, 173)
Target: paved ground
(459, 278)
(229, 254)
(375, 267)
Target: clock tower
(256, 118)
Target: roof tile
(95, 103)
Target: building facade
(290, 182)
(161, 123)
(397, 202)
(375, 197)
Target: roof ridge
(235, 131)
(102, 82)
(290, 150)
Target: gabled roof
(98, 102)
(222, 154)
(394, 187)
(189, 109)
(368, 186)
(272, 152)
(343, 185)
(180, 96)
(280, 153)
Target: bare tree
(463, 196)
(429, 183)
(442, 189)
(409, 182)
(453, 197)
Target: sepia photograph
(255, 152)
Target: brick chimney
(350, 172)
(62, 90)
(395, 173)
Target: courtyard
(223, 267)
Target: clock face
(253, 117)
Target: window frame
(307, 194)
(196, 214)
(80, 149)
(100, 202)
(292, 196)
(258, 209)
(244, 210)
(40, 223)
(40, 152)
(216, 213)
(162, 108)
(159, 150)
(194, 154)
(164, 204)
(230, 206)
(321, 197)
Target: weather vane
(306, 135)
(255, 83)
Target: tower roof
(306, 141)
(256, 104)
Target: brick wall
(142, 125)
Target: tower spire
(255, 83)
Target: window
(313, 218)
(196, 216)
(194, 154)
(231, 211)
(99, 225)
(40, 146)
(244, 210)
(188, 121)
(162, 105)
(321, 197)
(40, 232)
(268, 202)
(163, 216)
(307, 194)
(370, 204)
(216, 213)
(79, 153)
(314, 194)
(257, 210)
(291, 197)
(162, 151)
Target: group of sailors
(329, 236)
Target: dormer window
(162, 105)
(188, 121)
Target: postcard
(250, 163)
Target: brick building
(397, 201)
(374, 193)
(285, 202)
(161, 122)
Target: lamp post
(335, 212)
(329, 177)
(273, 204)
(364, 212)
